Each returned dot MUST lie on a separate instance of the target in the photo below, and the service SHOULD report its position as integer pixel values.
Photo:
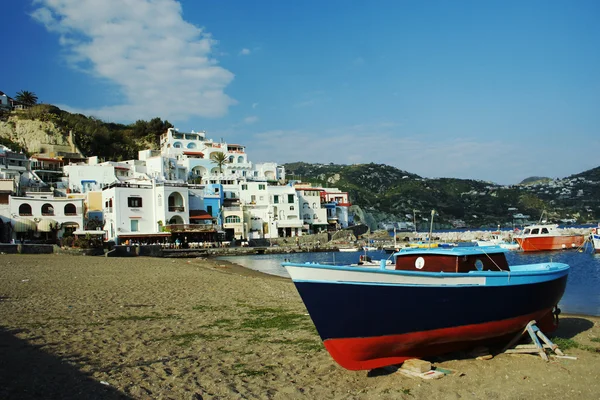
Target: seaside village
(193, 192)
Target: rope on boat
(494, 262)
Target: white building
(46, 218)
(150, 211)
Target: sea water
(582, 295)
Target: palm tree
(26, 97)
(220, 159)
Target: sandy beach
(74, 327)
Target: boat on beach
(430, 301)
(544, 237)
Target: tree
(220, 159)
(26, 97)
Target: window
(261, 187)
(25, 209)
(276, 199)
(232, 219)
(244, 187)
(135, 225)
(292, 208)
(290, 198)
(209, 210)
(159, 201)
(545, 231)
(253, 199)
(305, 205)
(535, 231)
(135, 202)
(47, 209)
(70, 209)
(306, 216)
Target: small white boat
(496, 240)
(348, 249)
(369, 248)
(595, 238)
(366, 261)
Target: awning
(290, 224)
(22, 225)
(47, 225)
(144, 235)
(200, 214)
(70, 224)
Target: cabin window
(535, 231)
(479, 264)
(545, 231)
(527, 232)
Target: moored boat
(434, 301)
(497, 240)
(348, 249)
(544, 237)
(366, 261)
(595, 238)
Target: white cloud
(162, 64)
(250, 120)
(245, 52)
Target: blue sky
(490, 90)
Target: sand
(74, 327)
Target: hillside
(43, 124)
(388, 194)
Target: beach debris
(537, 347)
(416, 365)
(565, 357)
(105, 383)
(481, 353)
(24, 280)
(416, 368)
(432, 374)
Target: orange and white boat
(544, 237)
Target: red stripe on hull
(368, 353)
(540, 243)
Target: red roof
(47, 159)
(194, 153)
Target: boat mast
(431, 227)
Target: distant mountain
(534, 179)
(388, 194)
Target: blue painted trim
(521, 274)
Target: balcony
(176, 208)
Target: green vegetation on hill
(110, 141)
(390, 194)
